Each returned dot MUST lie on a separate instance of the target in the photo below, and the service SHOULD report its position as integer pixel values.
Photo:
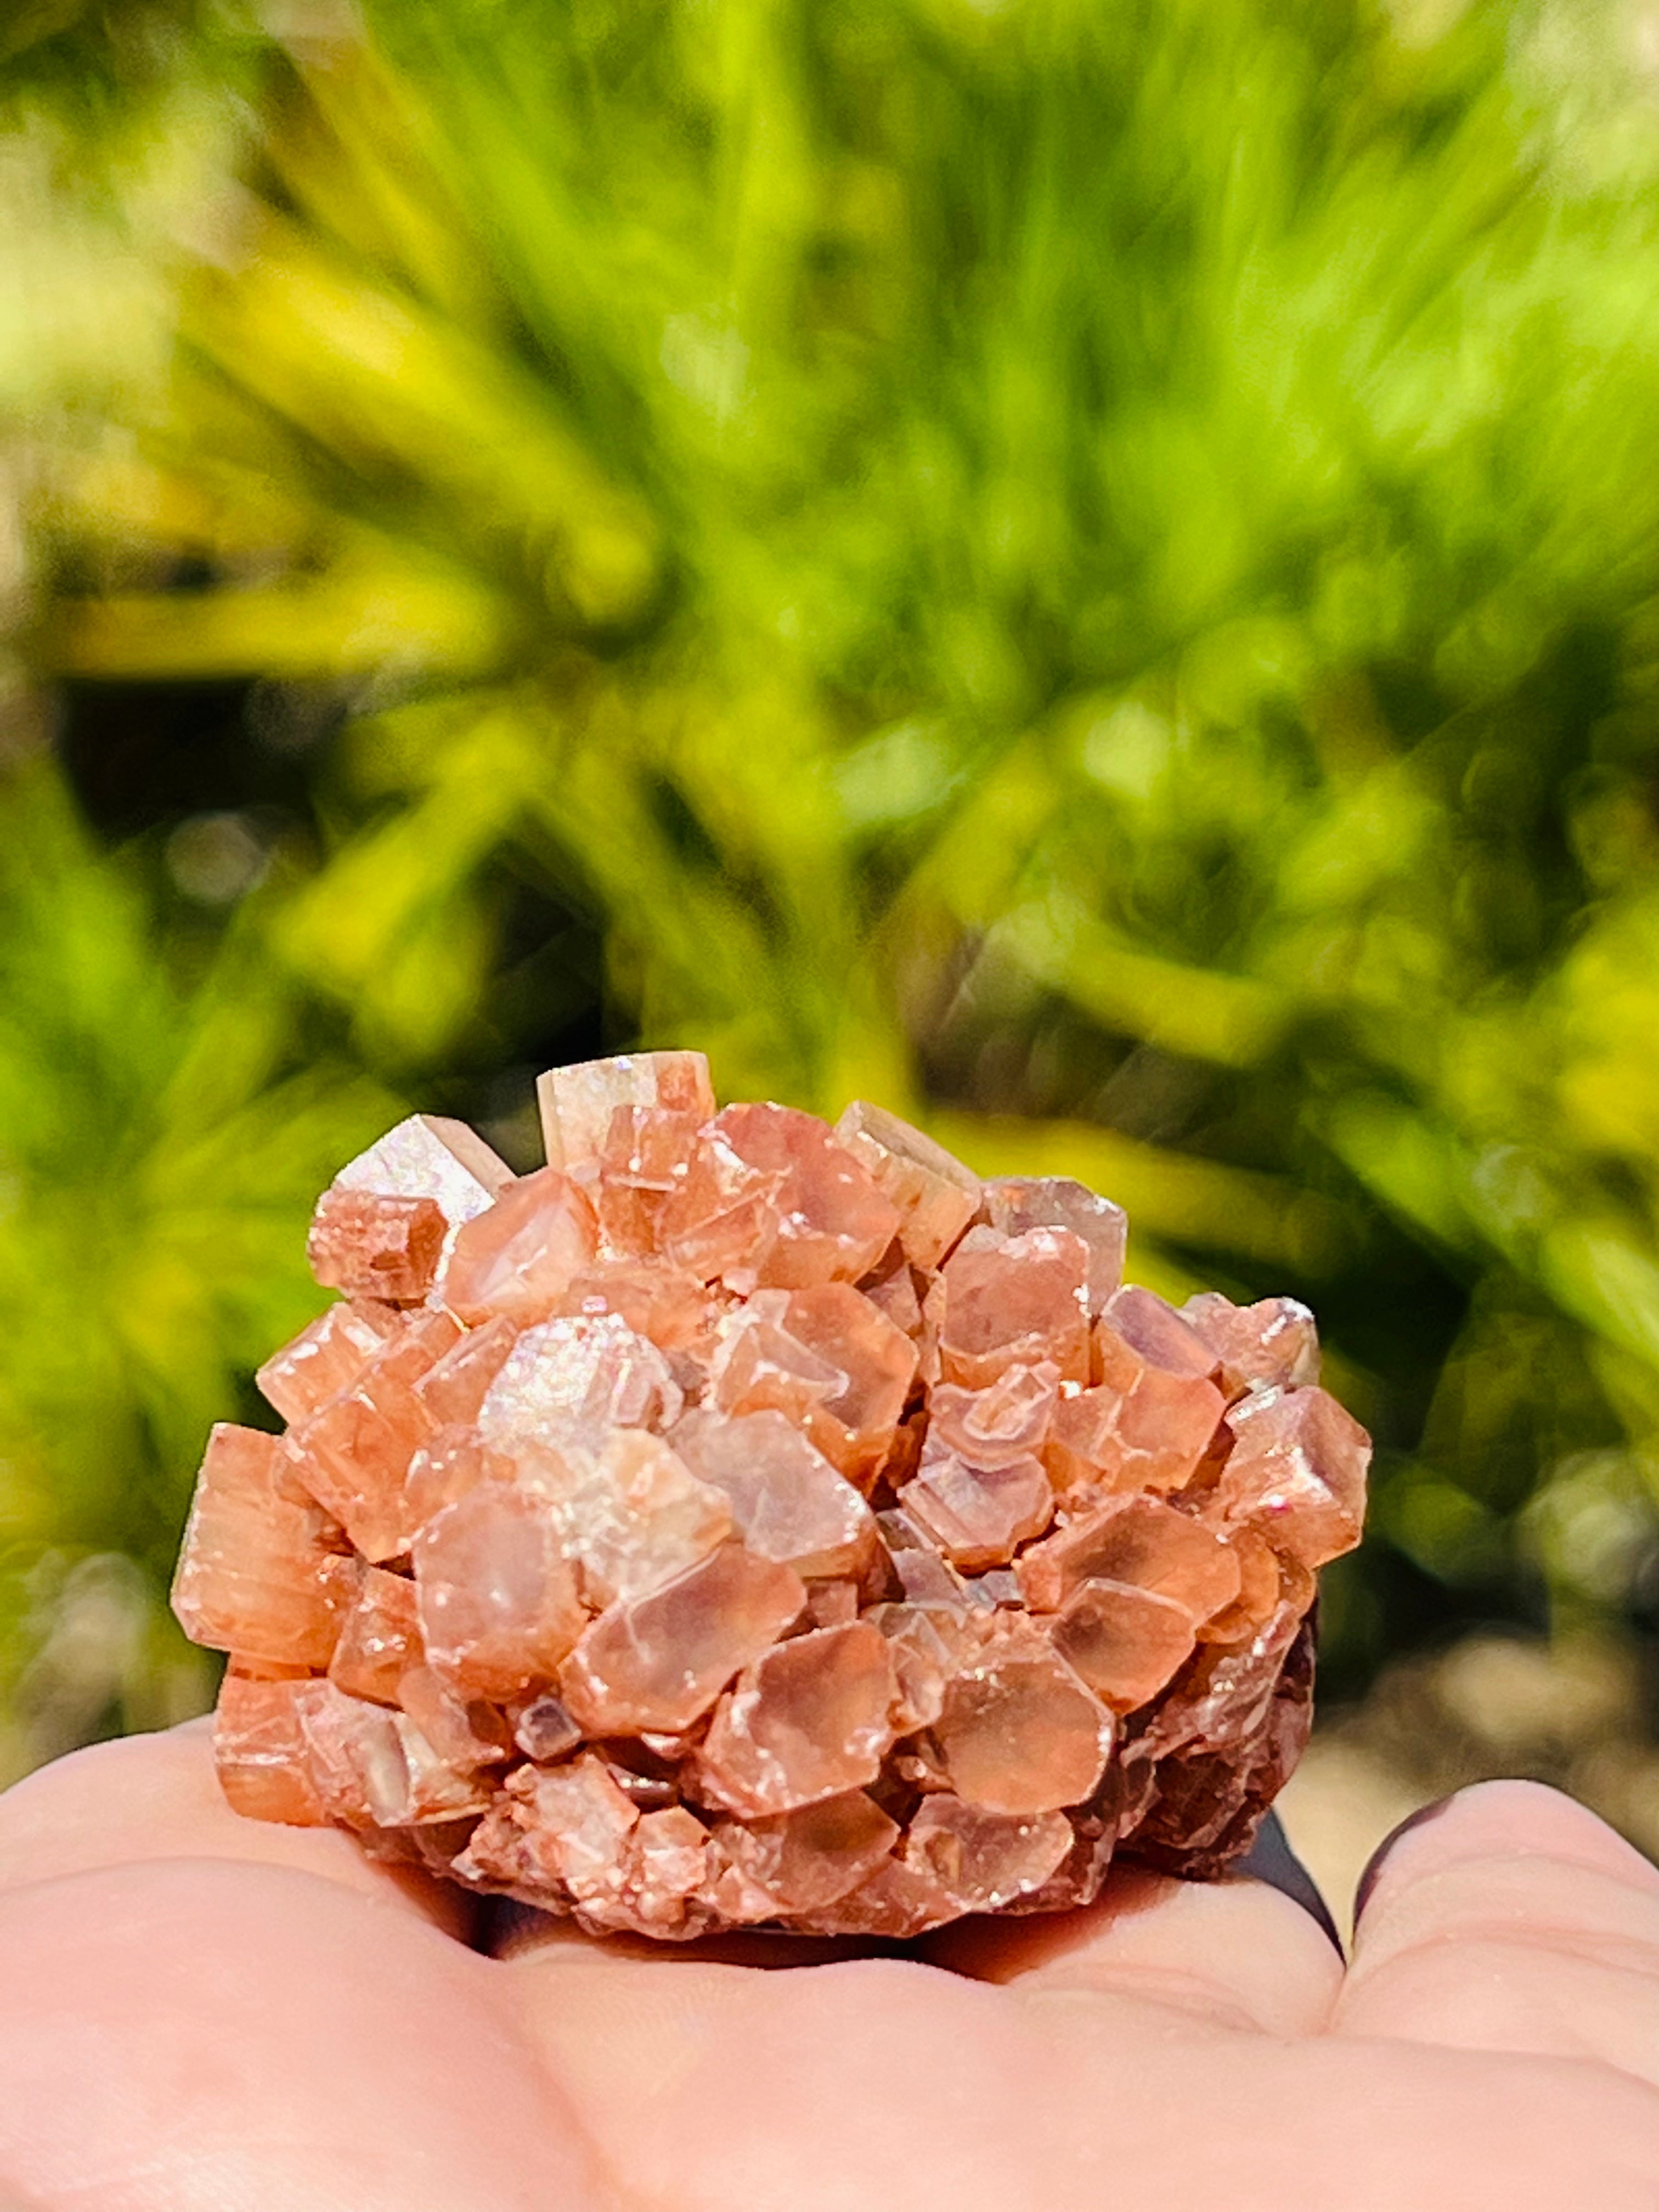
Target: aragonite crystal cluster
(741, 1522)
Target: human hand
(201, 2014)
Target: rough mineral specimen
(740, 1522)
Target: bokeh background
(1089, 572)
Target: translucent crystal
(379, 1638)
(918, 1567)
(1296, 1473)
(544, 1730)
(898, 1290)
(1139, 1330)
(259, 1750)
(258, 1574)
(1008, 1421)
(642, 1161)
(454, 1389)
(928, 1642)
(429, 1157)
(465, 1732)
(354, 1757)
(372, 1247)
(1012, 1205)
(759, 1363)
(798, 1862)
(635, 1516)
(578, 1104)
(673, 1309)
(983, 1859)
(354, 1455)
(1017, 1301)
(1138, 1541)
(1264, 1581)
(445, 1466)
(787, 1503)
(809, 1212)
(1126, 1642)
(521, 1257)
(811, 1719)
(570, 1382)
(830, 1360)
(858, 1427)
(1150, 1436)
(723, 1215)
(937, 1197)
(1274, 1341)
(1020, 1732)
(496, 1597)
(660, 1662)
(327, 1357)
(979, 1516)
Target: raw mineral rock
(742, 1523)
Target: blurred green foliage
(1091, 573)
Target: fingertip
(1499, 1819)
(149, 1797)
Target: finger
(149, 1797)
(884, 2081)
(1270, 1859)
(202, 2037)
(1232, 1954)
(1512, 1920)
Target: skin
(199, 2013)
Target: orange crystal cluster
(739, 1521)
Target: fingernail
(1379, 1858)
(1271, 1859)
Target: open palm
(199, 2013)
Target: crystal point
(519, 1256)
(578, 1104)
(372, 1247)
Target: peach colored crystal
(496, 1597)
(519, 1256)
(1014, 1204)
(371, 1247)
(578, 1104)
(935, 1194)
(1008, 1301)
(327, 1357)
(260, 1574)
(740, 1522)
(379, 1638)
(659, 1662)
(812, 1718)
(787, 1503)
(429, 1157)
